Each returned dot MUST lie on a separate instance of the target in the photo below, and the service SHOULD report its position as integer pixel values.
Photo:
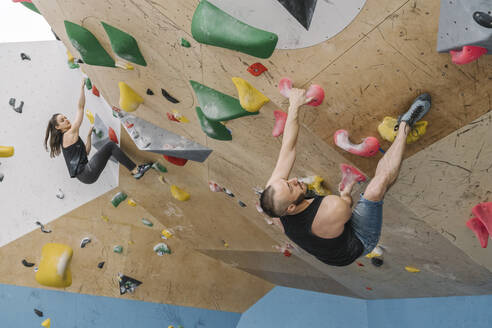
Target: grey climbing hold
(43, 229)
(84, 242)
(18, 109)
(60, 194)
(12, 102)
(147, 222)
(241, 203)
(1, 176)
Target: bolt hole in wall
(31, 179)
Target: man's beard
(300, 199)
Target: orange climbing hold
(95, 92)
(112, 135)
(280, 120)
(476, 225)
(129, 99)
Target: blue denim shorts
(367, 220)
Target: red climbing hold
(369, 146)
(467, 54)
(171, 117)
(317, 93)
(128, 125)
(112, 135)
(349, 174)
(175, 160)
(280, 120)
(95, 92)
(483, 211)
(480, 231)
(257, 69)
(287, 253)
(359, 264)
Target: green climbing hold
(217, 106)
(213, 129)
(147, 222)
(88, 83)
(124, 45)
(89, 48)
(211, 25)
(118, 249)
(31, 6)
(73, 65)
(118, 198)
(185, 43)
(159, 167)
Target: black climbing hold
(483, 19)
(150, 92)
(38, 313)
(169, 97)
(24, 56)
(80, 61)
(127, 284)
(100, 265)
(84, 242)
(228, 192)
(241, 204)
(56, 36)
(12, 102)
(27, 264)
(303, 11)
(376, 261)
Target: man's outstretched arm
(287, 155)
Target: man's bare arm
(287, 155)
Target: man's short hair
(267, 202)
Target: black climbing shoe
(419, 108)
(142, 169)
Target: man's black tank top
(339, 251)
(75, 157)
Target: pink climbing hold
(317, 93)
(285, 85)
(350, 174)
(480, 231)
(214, 187)
(467, 55)
(483, 212)
(22, 1)
(171, 117)
(112, 135)
(280, 120)
(369, 146)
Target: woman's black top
(338, 251)
(75, 157)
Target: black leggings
(96, 165)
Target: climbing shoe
(142, 169)
(419, 108)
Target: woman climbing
(64, 137)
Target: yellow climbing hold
(179, 194)
(387, 130)
(104, 218)
(54, 267)
(129, 99)
(132, 203)
(315, 183)
(180, 117)
(166, 234)
(70, 57)
(250, 98)
(412, 269)
(46, 323)
(6, 151)
(90, 116)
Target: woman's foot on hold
(417, 111)
(141, 169)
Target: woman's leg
(101, 157)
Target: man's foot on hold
(419, 108)
(141, 169)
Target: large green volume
(89, 48)
(211, 25)
(31, 6)
(213, 129)
(124, 45)
(217, 106)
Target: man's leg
(388, 167)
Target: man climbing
(327, 227)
